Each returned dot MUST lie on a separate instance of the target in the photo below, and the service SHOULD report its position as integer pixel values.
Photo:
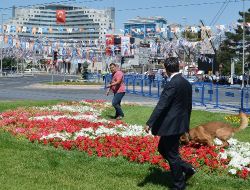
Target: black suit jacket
(171, 115)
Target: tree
(85, 70)
(191, 35)
(232, 47)
(9, 63)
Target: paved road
(14, 88)
(30, 88)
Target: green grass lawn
(140, 114)
(4, 105)
(33, 166)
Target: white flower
(72, 108)
(132, 130)
(223, 155)
(84, 132)
(232, 141)
(64, 136)
(239, 154)
(217, 141)
(232, 171)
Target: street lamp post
(213, 66)
(243, 56)
(2, 45)
(184, 55)
(232, 70)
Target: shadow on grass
(109, 116)
(157, 176)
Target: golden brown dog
(205, 133)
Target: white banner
(125, 46)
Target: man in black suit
(170, 119)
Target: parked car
(31, 70)
(27, 71)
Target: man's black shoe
(190, 173)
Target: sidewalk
(12, 75)
(211, 108)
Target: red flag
(60, 16)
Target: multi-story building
(82, 24)
(141, 27)
(37, 32)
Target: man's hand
(147, 129)
(111, 84)
(108, 86)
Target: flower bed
(78, 125)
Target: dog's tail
(243, 122)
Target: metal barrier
(95, 77)
(204, 94)
(245, 100)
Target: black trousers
(168, 147)
(116, 103)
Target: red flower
(135, 148)
(244, 173)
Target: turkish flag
(60, 16)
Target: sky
(188, 12)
